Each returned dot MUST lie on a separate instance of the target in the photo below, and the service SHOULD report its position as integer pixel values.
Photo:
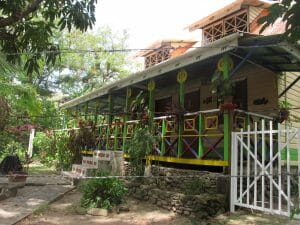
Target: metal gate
(265, 169)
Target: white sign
(103, 155)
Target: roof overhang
(267, 51)
(218, 47)
(270, 52)
(227, 10)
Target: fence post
(233, 174)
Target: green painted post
(96, 112)
(116, 137)
(151, 88)
(127, 101)
(181, 78)
(226, 112)
(86, 110)
(109, 120)
(200, 142)
(151, 103)
(163, 133)
(247, 121)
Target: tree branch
(20, 15)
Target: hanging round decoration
(181, 76)
(151, 85)
(221, 64)
(129, 92)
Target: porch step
(102, 155)
(90, 162)
(82, 171)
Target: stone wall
(186, 192)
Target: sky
(150, 20)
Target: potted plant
(225, 91)
(284, 111)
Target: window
(237, 22)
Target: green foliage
(28, 26)
(285, 105)
(196, 187)
(83, 72)
(102, 192)
(143, 138)
(83, 138)
(52, 149)
(289, 10)
(222, 87)
(13, 148)
(139, 146)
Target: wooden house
(177, 79)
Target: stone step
(90, 162)
(102, 155)
(82, 171)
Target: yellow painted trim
(206, 118)
(205, 162)
(192, 121)
(200, 162)
(172, 124)
(89, 152)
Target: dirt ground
(66, 211)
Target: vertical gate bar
(271, 166)
(248, 163)
(263, 164)
(298, 161)
(241, 166)
(233, 177)
(236, 169)
(288, 171)
(255, 164)
(279, 167)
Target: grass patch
(42, 209)
(75, 209)
(40, 169)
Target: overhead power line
(84, 51)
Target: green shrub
(14, 148)
(102, 192)
(52, 149)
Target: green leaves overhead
(289, 11)
(27, 26)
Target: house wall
(262, 89)
(261, 85)
(292, 96)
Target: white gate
(265, 169)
